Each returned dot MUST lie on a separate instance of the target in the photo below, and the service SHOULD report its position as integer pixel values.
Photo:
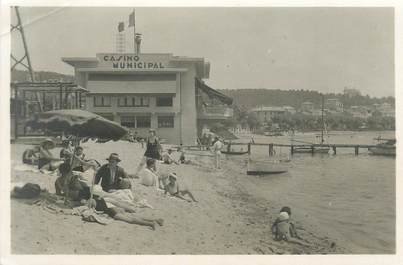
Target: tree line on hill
(250, 98)
(304, 122)
(40, 76)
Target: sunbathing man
(121, 214)
(174, 189)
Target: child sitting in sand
(168, 159)
(174, 189)
(283, 228)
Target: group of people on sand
(110, 176)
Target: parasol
(79, 123)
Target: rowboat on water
(266, 167)
(386, 148)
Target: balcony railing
(215, 112)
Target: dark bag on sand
(28, 191)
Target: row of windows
(130, 101)
(145, 121)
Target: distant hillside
(21, 76)
(249, 98)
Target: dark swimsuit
(152, 150)
(44, 161)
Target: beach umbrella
(80, 123)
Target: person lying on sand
(46, 159)
(31, 156)
(121, 214)
(174, 189)
(283, 228)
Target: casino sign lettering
(131, 62)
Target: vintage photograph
(202, 130)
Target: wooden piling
(313, 149)
(334, 149)
(271, 150)
(249, 148)
(292, 149)
(356, 149)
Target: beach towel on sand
(121, 197)
(90, 215)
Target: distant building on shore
(334, 105)
(307, 106)
(386, 109)
(266, 114)
(359, 112)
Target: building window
(141, 101)
(164, 101)
(125, 101)
(102, 101)
(128, 121)
(133, 101)
(165, 121)
(143, 122)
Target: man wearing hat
(113, 176)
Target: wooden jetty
(334, 147)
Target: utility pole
(19, 28)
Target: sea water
(350, 197)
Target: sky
(323, 49)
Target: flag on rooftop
(131, 19)
(121, 26)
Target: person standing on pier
(216, 149)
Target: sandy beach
(228, 219)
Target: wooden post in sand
(249, 148)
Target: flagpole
(134, 31)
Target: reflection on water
(351, 197)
